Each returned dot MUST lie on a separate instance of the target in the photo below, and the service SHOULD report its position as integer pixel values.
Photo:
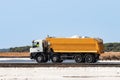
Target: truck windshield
(35, 44)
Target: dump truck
(80, 49)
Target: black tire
(96, 58)
(60, 61)
(89, 58)
(56, 59)
(40, 58)
(79, 58)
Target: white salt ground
(81, 73)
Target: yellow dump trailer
(81, 49)
(76, 45)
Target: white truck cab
(37, 46)
(38, 51)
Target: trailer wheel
(79, 58)
(89, 58)
(56, 59)
(39, 58)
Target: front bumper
(33, 55)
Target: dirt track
(110, 56)
(14, 54)
(59, 65)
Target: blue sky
(22, 21)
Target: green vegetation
(114, 47)
(20, 49)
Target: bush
(20, 49)
(115, 47)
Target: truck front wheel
(39, 58)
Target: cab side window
(35, 44)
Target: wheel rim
(88, 59)
(39, 59)
(78, 59)
(55, 59)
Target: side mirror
(33, 41)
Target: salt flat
(81, 73)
